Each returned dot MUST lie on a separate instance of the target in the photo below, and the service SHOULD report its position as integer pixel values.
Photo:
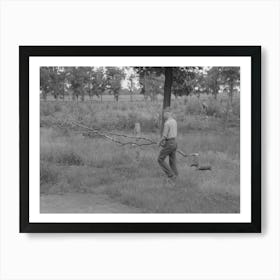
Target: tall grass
(102, 167)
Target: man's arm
(164, 134)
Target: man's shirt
(170, 129)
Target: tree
(131, 84)
(97, 82)
(61, 82)
(186, 80)
(151, 81)
(151, 85)
(79, 80)
(142, 76)
(44, 81)
(168, 72)
(213, 80)
(88, 81)
(231, 78)
(180, 79)
(114, 76)
(54, 81)
(171, 74)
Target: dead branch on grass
(110, 136)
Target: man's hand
(161, 142)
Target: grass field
(72, 163)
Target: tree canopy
(79, 82)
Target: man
(169, 146)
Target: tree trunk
(186, 97)
(90, 90)
(231, 92)
(167, 87)
(63, 91)
(145, 87)
(226, 114)
(167, 92)
(55, 94)
(215, 95)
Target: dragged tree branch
(106, 134)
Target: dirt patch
(82, 203)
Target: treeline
(79, 82)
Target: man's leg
(162, 155)
(172, 162)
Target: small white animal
(137, 129)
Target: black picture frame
(25, 52)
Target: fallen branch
(106, 134)
(95, 131)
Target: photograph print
(140, 139)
